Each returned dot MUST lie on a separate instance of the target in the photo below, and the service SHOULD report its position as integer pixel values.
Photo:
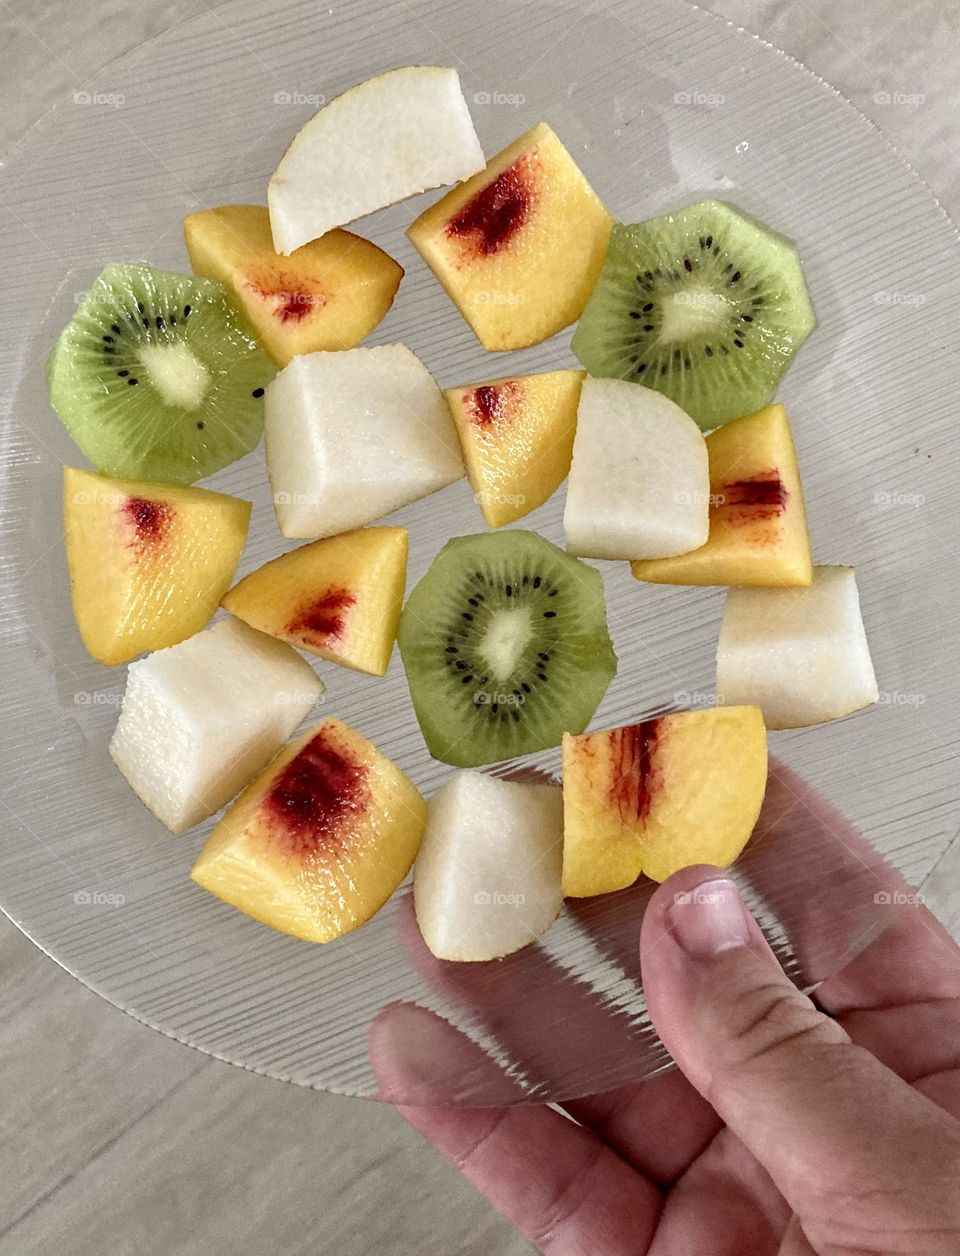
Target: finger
(824, 1117)
(556, 1182)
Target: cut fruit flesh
(203, 717)
(659, 796)
(381, 141)
(517, 439)
(706, 305)
(519, 246)
(800, 654)
(487, 878)
(157, 377)
(318, 843)
(505, 646)
(148, 562)
(639, 482)
(339, 598)
(758, 526)
(330, 294)
(355, 435)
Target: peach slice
(758, 526)
(318, 843)
(329, 294)
(519, 246)
(148, 562)
(339, 598)
(661, 795)
(517, 438)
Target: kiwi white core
(505, 641)
(176, 373)
(693, 312)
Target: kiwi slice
(157, 377)
(505, 646)
(706, 305)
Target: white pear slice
(354, 435)
(639, 483)
(801, 655)
(202, 718)
(487, 878)
(380, 142)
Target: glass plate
(661, 104)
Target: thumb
(831, 1125)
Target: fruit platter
(452, 520)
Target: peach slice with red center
(339, 598)
(329, 294)
(148, 562)
(517, 438)
(519, 246)
(658, 796)
(318, 843)
(758, 526)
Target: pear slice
(381, 141)
(800, 654)
(487, 879)
(639, 482)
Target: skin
(791, 1126)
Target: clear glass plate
(661, 104)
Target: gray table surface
(118, 1141)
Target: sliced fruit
(318, 843)
(661, 795)
(487, 878)
(506, 648)
(202, 718)
(519, 246)
(353, 436)
(517, 439)
(639, 481)
(148, 562)
(157, 376)
(379, 142)
(706, 305)
(800, 654)
(758, 526)
(329, 294)
(339, 598)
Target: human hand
(792, 1126)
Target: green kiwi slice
(157, 377)
(706, 305)
(505, 646)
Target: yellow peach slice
(320, 840)
(339, 598)
(661, 795)
(758, 526)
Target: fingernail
(709, 919)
